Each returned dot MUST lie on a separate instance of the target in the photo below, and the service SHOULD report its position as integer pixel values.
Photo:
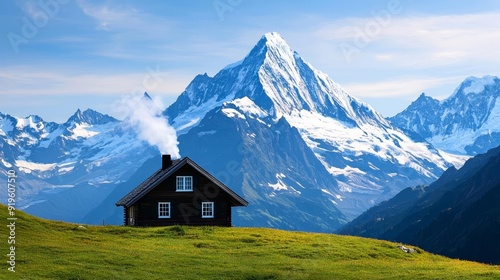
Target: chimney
(166, 161)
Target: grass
(56, 250)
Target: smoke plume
(144, 115)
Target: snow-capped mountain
(303, 152)
(456, 216)
(364, 157)
(81, 159)
(468, 122)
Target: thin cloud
(424, 41)
(110, 17)
(126, 19)
(29, 81)
(399, 88)
(123, 31)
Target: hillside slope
(69, 251)
(457, 216)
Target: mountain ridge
(467, 122)
(276, 109)
(456, 216)
(90, 117)
(337, 127)
(60, 162)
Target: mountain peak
(271, 46)
(90, 116)
(474, 85)
(464, 123)
(274, 38)
(76, 116)
(279, 81)
(32, 121)
(484, 79)
(425, 99)
(147, 96)
(276, 44)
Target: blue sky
(60, 55)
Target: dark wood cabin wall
(125, 222)
(185, 207)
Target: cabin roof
(162, 174)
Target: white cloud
(110, 17)
(409, 55)
(401, 87)
(384, 57)
(146, 118)
(423, 41)
(36, 81)
(125, 32)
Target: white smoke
(145, 117)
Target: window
(163, 209)
(184, 183)
(207, 209)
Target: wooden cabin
(180, 193)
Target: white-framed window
(163, 209)
(207, 209)
(184, 183)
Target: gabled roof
(162, 174)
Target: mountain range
(458, 215)
(467, 122)
(342, 139)
(67, 169)
(306, 154)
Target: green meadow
(56, 250)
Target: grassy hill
(56, 250)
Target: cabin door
(131, 215)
